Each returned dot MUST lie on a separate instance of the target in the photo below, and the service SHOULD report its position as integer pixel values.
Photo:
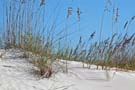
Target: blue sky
(92, 11)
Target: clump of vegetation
(27, 30)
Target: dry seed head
(92, 35)
(117, 15)
(125, 25)
(22, 1)
(42, 2)
(78, 13)
(127, 41)
(133, 41)
(80, 40)
(69, 12)
(108, 4)
(133, 18)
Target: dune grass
(27, 30)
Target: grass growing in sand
(27, 30)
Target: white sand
(18, 74)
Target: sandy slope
(17, 74)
